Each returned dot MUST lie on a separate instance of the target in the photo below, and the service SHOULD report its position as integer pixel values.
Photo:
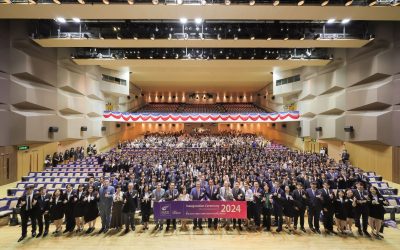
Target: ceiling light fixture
(76, 20)
(346, 21)
(183, 20)
(61, 20)
(252, 2)
(227, 2)
(348, 2)
(395, 3)
(155, 2)
(371, 2)
(130, 2)
(179, 2)
(324, 2)
(30, 1)
(106, 2)
(81, 1)
(276, 2)
(56, 2)
(203, 2)
(331, 20)
(198, 20)
(300, 2)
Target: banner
(200, 209)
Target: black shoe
(105, 230)
(45, 234)
(380, 235)
(209, 225)
(215, 226)
(318, 231)
(234, 226)
(279, 230)
(167, 229)
(33, 234)
(133, 228)
(101, 230)
(303, 229)
(295, 228)
(240, 228)
(313, 230)
(88, 230)
(201, 227)
(156, 227)
(38, 235)
(335, 233)
(65, 231)
(126, 231)
(266, 230)
(360, 232)
(161, 228)
(174, 227)
(21, 238)
(194, 227)
(367, 234)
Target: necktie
(29, 203)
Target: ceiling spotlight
(348, 2)
(371, 2)
(131, 2)
(300, 2)
(203, 2)
(227, 2)
(252, 2)
(275, 2)
(235, 37)
(371, 37)
(56, 2)
(61, 20)
(169, 36)
(317, 36)
(76, 20)
(324, 2)
(179, 1)
(286, 37)
(395, 3)
(8, 1)
(183, 20)
(252, 37)
(219, 37)
(135, 37)
(118, 37)
(81, 1)
(269, 37)
(155, 2)
(346, 21)
(106, 2)
(29, 1)
(331, 20)
(198, 20)
(303, 37)
(152, 37)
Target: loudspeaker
(118, 125)
(83, 128)
(273, 97)
(241, 125)
(258, 94)
(104, 128)
(128, 124)
(159, 124)
(284, 125)
(298, 129)
(348, 129)
(53, 129)
(173, 125)
(318, 129)
(273, 124)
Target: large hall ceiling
(209, 12)
(235, 76)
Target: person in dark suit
(327, 207)
(91, 210)
(314, 201)
(257, 207)
(299, 195)
(57, 206)
(266, 208)
(361, 209)
(79, 208)
(238, 195)
(130, 198)
(339, 205)
(290, 208)
(212, 193)
(69, 205)
(351, 204)
(277, 193)
(145, 205)
(376, 211)
(42, 211)
(172, 194)
(27, 205)
(197, 194)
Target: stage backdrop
(200, 209)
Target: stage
(196, 240)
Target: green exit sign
(24, 147)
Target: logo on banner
(166, 209)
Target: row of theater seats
(200, 108)
(73, 173)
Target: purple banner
(200, 209)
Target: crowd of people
(72, 154)
(280, 187)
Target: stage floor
(198, 240)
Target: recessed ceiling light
(198, 20)
(130, 2)
(183, 20)
(346, 20)
(300, 2)
(61, 20)
(331, 20)
(56, 2)
(76, 20)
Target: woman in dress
(91, 211)
(184, 196)
(145, 206)
(376, 211)
(79, 208)
(340, 212)
(57, 210)
(116, 214)
(350, 206)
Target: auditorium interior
(312, 76)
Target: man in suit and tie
(130, 199)
(27, 204)
(257, 207)
(212, 193)
(42, 211)
(225, 194)
(172, 194)
(106, 193)
(197, 194)
(69, 209)
(299, 195)
(238, 195)
(314, 201)
(327, 207)
(158, 195)
(361, 209)
(277, 193)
